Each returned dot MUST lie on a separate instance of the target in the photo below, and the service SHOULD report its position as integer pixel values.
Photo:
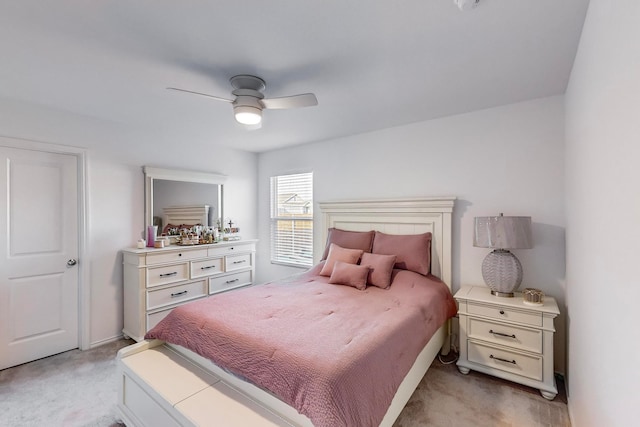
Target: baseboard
(105, 341)
(570, 410)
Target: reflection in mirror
(189, 191)
(173, 194)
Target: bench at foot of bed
(159, 387)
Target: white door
(38, 252)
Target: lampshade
(503, 232)
(247, 115)
(501, 270)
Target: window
(292, 219)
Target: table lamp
(501, 270)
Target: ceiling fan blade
(293, 101)
(218, 98)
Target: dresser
(506, 338)
(158, 280)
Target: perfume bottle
(152, 231)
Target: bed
(165, 383)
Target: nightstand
(505, 338)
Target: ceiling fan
(249, 100)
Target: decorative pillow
(349, 275)
(349, 239)
(413, 251)
(380, 269)
(337, 253)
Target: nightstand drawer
(525, 365)
(530, 318)
(507, 335)
(175, 294)
(206, 267)
(157, 276)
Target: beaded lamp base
(502, 272)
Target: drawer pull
(207, 267)
(177, 294)
(491, 331)
(169, 274)
(239, 262)
(232, 281)
(501, 359)
(501, 311)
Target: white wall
(603, 217)
(507, 159)
(116, 192)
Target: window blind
(292, 219)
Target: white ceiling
(371, 63)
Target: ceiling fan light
(247, 115)
(466, 4)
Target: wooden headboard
(395, 216)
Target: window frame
(286, 256)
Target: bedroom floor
(75, 388)
(446, 398)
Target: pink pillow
(349, 239)
(337, 253)
(413, 251)
(349, 275)
(381, 267)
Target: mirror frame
(152, 173)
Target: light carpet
(79, 389)
(446, 398)
(71, 389)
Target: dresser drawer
(525, 365)
(175, 294)
(530, 318)
(175, 256)
(157, 276)
(505, 334)
(237, 262)
(206, 267)
(232, 249)
(154, 318)
(230, 281)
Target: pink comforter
(334, 353)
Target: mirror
(189, 190)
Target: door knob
(72, 262)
